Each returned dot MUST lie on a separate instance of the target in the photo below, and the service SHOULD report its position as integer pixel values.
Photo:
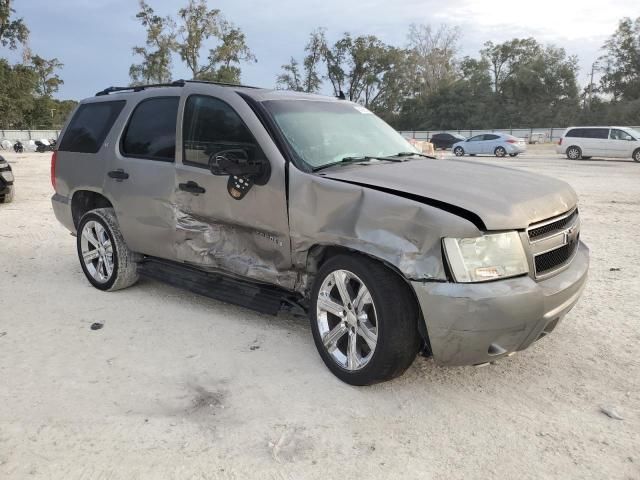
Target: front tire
(105, 258)
(8, 197)
(636, 155)
(364, 320)
(458, 151)
(574, 153)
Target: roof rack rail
(139, 88)
(176, 83)
(223, 84)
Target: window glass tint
(89, 126)
(151, 132)
(598, 132)
(491, 137)
(617, 134)
(575, 132)
(210, 126)
(477, 138)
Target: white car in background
(587, 142)
(498, 144)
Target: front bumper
(470, 324)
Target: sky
(93, 38)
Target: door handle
(119, 174)
(191, 187)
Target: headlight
(489, 257)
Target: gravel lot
(180, 386)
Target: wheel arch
(84, 200)
(318, 254)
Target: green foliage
(621, 62)
(12, 32)
(156, 56)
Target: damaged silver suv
(274, 199)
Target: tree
(199, 25)
(290, 79)
(432, 56)
(12, 32)
(48, 81)
(310, 79)
(156, 56)
(17, 85)
(621, 62)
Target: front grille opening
(550, 227)
(555, 258)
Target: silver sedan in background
(498, 144)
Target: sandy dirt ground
(177, 386)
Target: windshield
(323, 133)
(635, 133)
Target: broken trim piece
(447, 207)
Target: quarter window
(151, 132)
(89, 126)
(211, 126)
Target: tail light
(560, 141)
(512, 140)
(53, 168)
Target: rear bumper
(62, 210)
(470, 324)
(515, 148)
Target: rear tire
(458, 151)
(513, 154)
(372, 335)
(574, 153)
(500, 152)
(636, 155)
(105, 258)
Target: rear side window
(89, 126)
(491, 137)
(210, 126)
(151, 132)
(588, 133)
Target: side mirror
(237, 162)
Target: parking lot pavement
(179, 386)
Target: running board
(259, 297)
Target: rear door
(216, 227)
(141, 177)
(599, 142)
(490, 142)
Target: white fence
(22, 135)
(540, 135)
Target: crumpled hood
(502, 198)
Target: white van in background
(587, 142)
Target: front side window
(211, 126)
(151, 132)
(89, 126)
(617, 134)
(325, 132)
(477, 138)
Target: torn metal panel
(406, 234)
(244, 251)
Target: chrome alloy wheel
(97, 251)
(347, 319)
(573, 153)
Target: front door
(620, 144)
(236, 225)
(141, 177)
(474, 145)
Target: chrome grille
(554, 242)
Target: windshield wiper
(363, 158)
(414, 154)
